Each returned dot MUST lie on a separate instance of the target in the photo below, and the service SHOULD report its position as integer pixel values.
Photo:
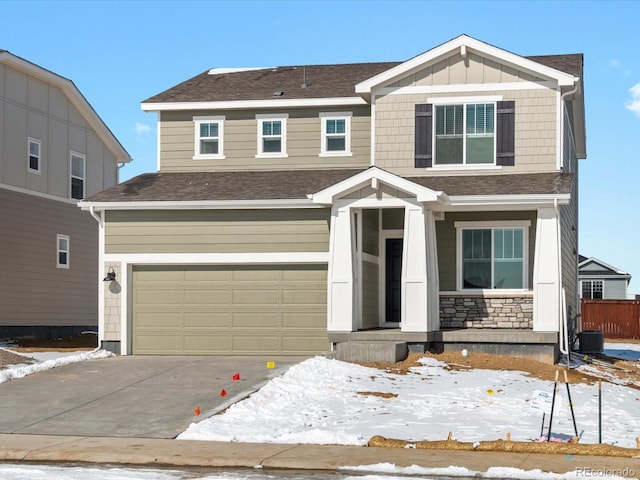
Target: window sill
(272, 155)
(336, 154)
(466, 167)
(208, 157)
(35, 172)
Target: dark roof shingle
(297, 184)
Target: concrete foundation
(364, 352)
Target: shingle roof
(322, 81)
(297, 184)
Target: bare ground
(30, 345)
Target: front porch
(392, 345)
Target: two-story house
(430, 203)
(54, 151)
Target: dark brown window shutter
(505, 133)
(424, 143)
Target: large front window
(493, 258)
(465, 134)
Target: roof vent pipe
(304, 77)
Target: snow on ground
(623, 351)
(46, 361)
(322, 401)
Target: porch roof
(297, 185)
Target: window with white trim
(209, 137)
(62, 248)
(272, 135)
(592, 289)
(336, 134)
(492, 256)
(78, 175)
(34, 147)
(465, 134)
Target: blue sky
(121, 53)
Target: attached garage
(229, 310)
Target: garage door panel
(204, 296)
(255, 319)
(304, 320)
(207, 319)
(226, 310)
(256, 297)
(206, 343)
(155, 319)
(255, 343)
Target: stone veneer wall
(468, 311)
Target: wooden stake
(638, 442)
(508, 437)
(449, 437)
(599, 411)
(573, 416)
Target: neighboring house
(430, 203)
(601, 280)
(54, 151)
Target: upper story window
(272, 135)
(465, 134)
(78, 176)
(209, 138)
(336, 134)
(34, 147)
(492, 256)
(62, 257)
(472, 134)
(592, 289)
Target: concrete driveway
(132, 396)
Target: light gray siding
(615, 288)
(34, 292)
(217, 231)
(32, 108)
(177, 141)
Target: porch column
(416, 291)
(340, 303)
(546, 272)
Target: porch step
(363, 352)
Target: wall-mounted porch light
(111, 275)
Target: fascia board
(603, 264)
(479, 47)
(75, 97)
(511, 200)
(198, 205)
(248, 104)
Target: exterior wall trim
(217, 258)
(46, 196)
(200, 205)
(467, 88)
(248, 104)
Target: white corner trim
(218, 258)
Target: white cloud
(614, 62)
(142, 128)
(634, 103)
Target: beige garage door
(229, 310)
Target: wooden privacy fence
(615, 318)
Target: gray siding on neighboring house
(217, 231)
(32, 108)
(612, 288)
(446, 241)
(34, 292)
(303, 139)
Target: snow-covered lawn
(45, 361)
(322, 401)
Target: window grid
(493, 258)
(209, 137)
(62, 247)
(272, 135)
(78, 176)
(34, 150)
(592, 289)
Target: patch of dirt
(544, 371)
(8, 358)
(379, 394)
